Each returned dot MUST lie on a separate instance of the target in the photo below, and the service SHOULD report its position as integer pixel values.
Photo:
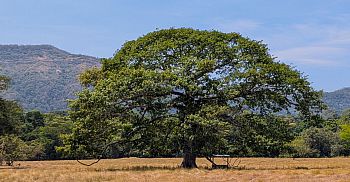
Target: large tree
(180, 91)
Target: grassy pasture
(162, 169)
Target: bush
(13, 148)
(301, 149)
(317, 142)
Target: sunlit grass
(161, 169)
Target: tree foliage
(180, 90)
(260, 136)
(10, 111)
(10, 117)
(12, 148)
(4, 82)
(318, 142)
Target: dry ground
(160, 169)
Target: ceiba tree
(180, 90)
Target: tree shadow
(153, 168)
(146, 168)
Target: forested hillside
(43, 77)
(338, 100)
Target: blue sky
(311, 35)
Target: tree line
(29, 135)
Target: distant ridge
(43, 77)
(338, 100)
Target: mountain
(338, 100)
(43, 77)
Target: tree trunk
(189, 158)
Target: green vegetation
(338, 100)
(175, 92)
(42, 76)
(190, 92)
(35, 136)
(29, 135)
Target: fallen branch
(95, 162)
(100, 156)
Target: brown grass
(160, 169)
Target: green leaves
(4, 82)
(10, 117)
(257, 135)
(182, 90)
(12, 148)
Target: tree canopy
(10, 111)
(184, 91)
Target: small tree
(180, 90)
(344, 135)
(319, 142)
(12, 148)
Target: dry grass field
(161, 169)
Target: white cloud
(326, 34)
(339, 37)
(313, 55)
(315, 44)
